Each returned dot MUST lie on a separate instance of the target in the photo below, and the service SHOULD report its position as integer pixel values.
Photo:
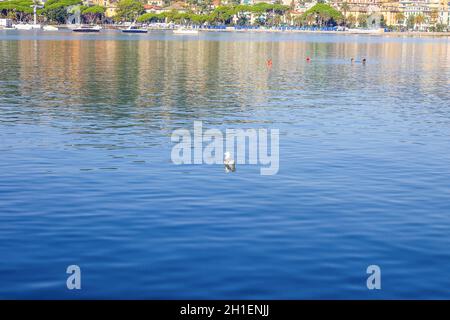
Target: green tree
(382, 22)
(440, 27)
(94, 13)
(420, 19)
(323, 14)
(58, 14)
(129, 10)
(351, 21)
(399, 17)
(11, 15)
(242, 20)
(362, 20)
(58, 10)
(16, 10)
(434, 15)
(310, 19)
(151, 17)
(223, 14)
(411, 22)
(345, 8)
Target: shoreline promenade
(285, 30)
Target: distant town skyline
(434, 11)
(418, 15)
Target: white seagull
(229, 162)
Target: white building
(6, 23)
(158, 3)
(434, 11)
(448, 14)
(256, 1)
(414, 7)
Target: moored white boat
(185, 31)
(87, 29)
(50, 28)
(27, 26)
(134, 29)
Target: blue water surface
(86, 176)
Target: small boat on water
(87, 29)
(26, 26)
(50, 28)
(185, 31)
(134, 29)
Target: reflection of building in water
(158, 81)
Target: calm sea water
(86, 176)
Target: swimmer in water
(363, 60)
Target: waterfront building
(433, 11)
(381, 11)
(150, 8)
(110, 5)
(448, 14)
(389, 9)
(290, 3)
(368, 11)
(256, 1)
(216, 3)
(157, 3)
(443, 12)
(414, 8)
(300, 6)
(6, 23)
(439, 11)
(179, 6)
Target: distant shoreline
(374, 33)
(408, 34)
(231, 29)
